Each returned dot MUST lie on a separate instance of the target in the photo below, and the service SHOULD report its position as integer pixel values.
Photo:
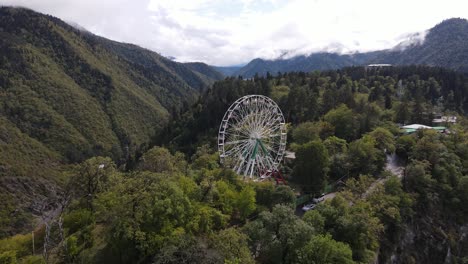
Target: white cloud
(223, 32)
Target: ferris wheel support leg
(252, 168)
(247, 167)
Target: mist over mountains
(445, 45)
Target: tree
(158, 159)
(344, 121)
(315, 220)
(232, 244)
(245, 203)
(275, 236)
(305, 132)
(418, 178)
(402, 111)
(364, 157)
(462, 191)
(267, 194)
(92, 177)
(187, 249)
(338, 150)
(322, 249)
(384, 139)
(428, 147)
(311, 166)
(145, 211)
(335, 145)
(404, 145)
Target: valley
(110, 153)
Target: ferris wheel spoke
(235, 150)
(252, 136)
(236, 142)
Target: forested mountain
(315, 61)
(80, 94)
(228, 70)
(108, 154)
(67, 95)
(205, 70)
(445, 45)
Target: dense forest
(174, 203)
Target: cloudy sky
(233, 32)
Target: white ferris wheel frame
(252, 137)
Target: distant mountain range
(444, 45)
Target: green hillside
(83, 95)
(445, 45)
(67, 95)
(205, 70)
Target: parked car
(308, 207)
(318, 199)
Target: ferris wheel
(252, 137)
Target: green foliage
(267, 194)
(344, 121)
(17, 246)
(33, 260)
(354, 225)
(404, 145)
(275, 236)
(364, 157)
(186, 249)
(77, 219)
(384, 139)
(338, 151)
(246, 202)
(463, 192)
(159, 159)
(8, 257)
(311, 166)
(315, 220)
(335, 145)
(323, 249)
(305, 132)
(71, 250)
(428, 147)
(232, 245)
(93, 176)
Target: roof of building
(379, 65)
(416, 126)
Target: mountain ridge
(67, 95)
(442, 43)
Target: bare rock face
(429, 241)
